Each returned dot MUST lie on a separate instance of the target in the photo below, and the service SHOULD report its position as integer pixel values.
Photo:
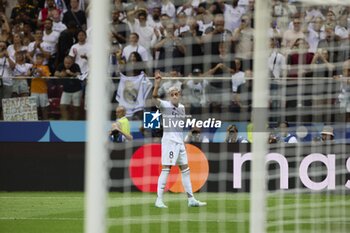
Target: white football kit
(173, 147)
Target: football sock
(162, 182)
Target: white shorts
(42, 99)
(173, 153)
(20, 86)
(69, 98)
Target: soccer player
(173, 147)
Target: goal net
(265, 87)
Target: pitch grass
(58, 212)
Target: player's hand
(157, 78)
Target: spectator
(21, 70)
(274, 30)
(321, 67)
(27, 34)
(291, 35)
(5, 73)
(238, 76)
(66, 40)
(211, 43)
(174, 82)
(243, 37)
(315, 33)
(276, 60)
(120, 31)
(135, 47)
(39, 46)
(147, 36)
(204, 18)
(72, 88)
(187, 8)
(172, 50)
(5, 34)
(153, 20)
(195, 136)
(50, 37)
(343, 31)
(23, 12)
(242, 99)
(168, 8)
(193, 42)
(15, 47)
(75, 14)
(134, 65)
(299, 56)
(80, 52)
(181, 26)
(195, 93)
(330, 19)
(232, 135)
(57, 24)
(233, 14)
(284, 135)
(38, 86)
(344, 96)
(331, 43)
(47, 12)
(327, 134)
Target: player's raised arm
(157, 80)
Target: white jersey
(171, 117)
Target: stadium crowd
(181, 39)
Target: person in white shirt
(276, 61)
(5, 73)
(80, 52)
(57, 25)
(147, 35)
(315, 34)
(170, 83)
(39, 46)
(20, 69)
(342, 29)
(238, 78)
(233, 14)
(16, 46)
(168, 8)
(50, 36)
(173, 147)
(134, 46)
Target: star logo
(151, 120)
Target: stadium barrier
(215, 167)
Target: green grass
(53, 212)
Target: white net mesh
(205, 49)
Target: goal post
(96, 169)
(260, 117)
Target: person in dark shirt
(23, 12)
(72, 88)
(66, 39)
(76, 15)
(120, 31)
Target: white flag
(132, 92)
